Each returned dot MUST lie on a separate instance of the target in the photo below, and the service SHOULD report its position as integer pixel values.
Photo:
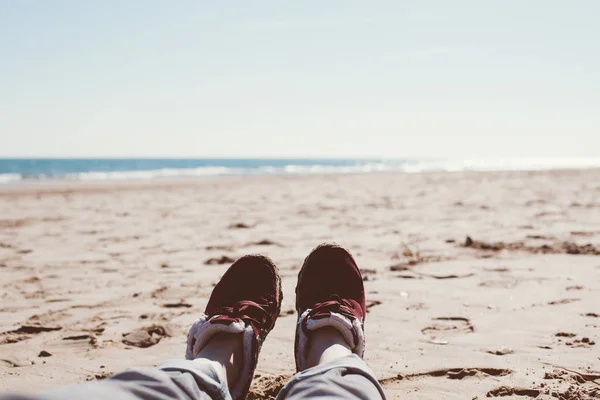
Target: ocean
(15, 170)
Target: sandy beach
(479, 284)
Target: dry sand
(515, 312)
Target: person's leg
(325, 345)
(222, 349)
(345, 378)
(200, 379)
(225, 352)
(330, 338)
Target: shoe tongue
(223, 319)
(334, 305)
(248, 311)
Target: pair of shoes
(247, 300)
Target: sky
(266, 78)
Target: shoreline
(66, 185)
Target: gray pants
(346, 378)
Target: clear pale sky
(338, 78)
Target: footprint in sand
(148, 336)
(450, 373)
(461, 373)
(25, 332)
(17, 362)
(448, 326)
(506, 283)
(504, 391)
(571, 385)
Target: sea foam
(267, 167)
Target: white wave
(415, 166)
(8, 178)
(505, 164)
(337, 169)
(149, 174)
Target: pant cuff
(351, 363)
(204, 373)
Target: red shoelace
(248, 311)
(335, 304)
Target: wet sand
(478, 284)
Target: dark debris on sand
(556, 248)
(180, 304)
(240, 225)
(36, 329)
(265, 242)
(99, 376)
(219, 260)
(410, 258)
